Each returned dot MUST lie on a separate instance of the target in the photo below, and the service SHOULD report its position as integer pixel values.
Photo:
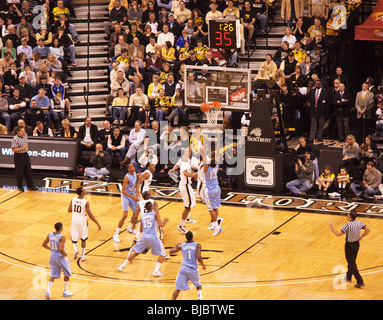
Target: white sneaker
(67, 294)
(217, 232)
(182, 229)
(191, 221)
(167, 257)
(210, 226)
(115, 121)
(157, 274)
(116, 239)
(47, 295)
(130, 229)
(121, 122)
(120, 268)
(82, 258)
(75, 256)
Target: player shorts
(188, 196)
(212, 198)
(150, 241)
(128, 203)
(186, 274)
(79, 230)
(58, 264)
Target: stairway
(98, 69)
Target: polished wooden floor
(261, 254)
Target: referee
(21, 159)
(352, 230)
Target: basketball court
(271, 248)
(263, 253)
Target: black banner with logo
(265, 169)
(260, 136)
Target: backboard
(230, 86)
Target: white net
(212, 115)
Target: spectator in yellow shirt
(162, 105)
(168, 53)
(331, 30)
(200, 50)
(316, 26)
(60, 9)
(299, 53)
(119, 107)
(269, 66)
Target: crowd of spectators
(149, 44)
(37, 45)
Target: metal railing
(86, 88)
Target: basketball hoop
(212, 113)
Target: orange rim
(215, 104)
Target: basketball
(205, 107)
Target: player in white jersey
(186, 189)
(146, 177)
(80, 208)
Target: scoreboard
(224, 34)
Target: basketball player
(140, 210)
(146, 178)
(129, 198)
(150, 221)
(191, 253)
(212, 194)
(201, 181)
(58, 260)
(80, 208)
(186, 189)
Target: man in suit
(147, 116)
(341, 104)
(364, 104)
(318, 97)
(331, 118)
(88, 136)
(340, 76)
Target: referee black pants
(23, 170)
(351, 251)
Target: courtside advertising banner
(45, 153)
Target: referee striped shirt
(352, 230)
(19, 142)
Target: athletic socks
(157, 268)
(49, 286)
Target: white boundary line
(234, 285)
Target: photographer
(100, 161)
(146, 157)
(303, 147)
(305, 176)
